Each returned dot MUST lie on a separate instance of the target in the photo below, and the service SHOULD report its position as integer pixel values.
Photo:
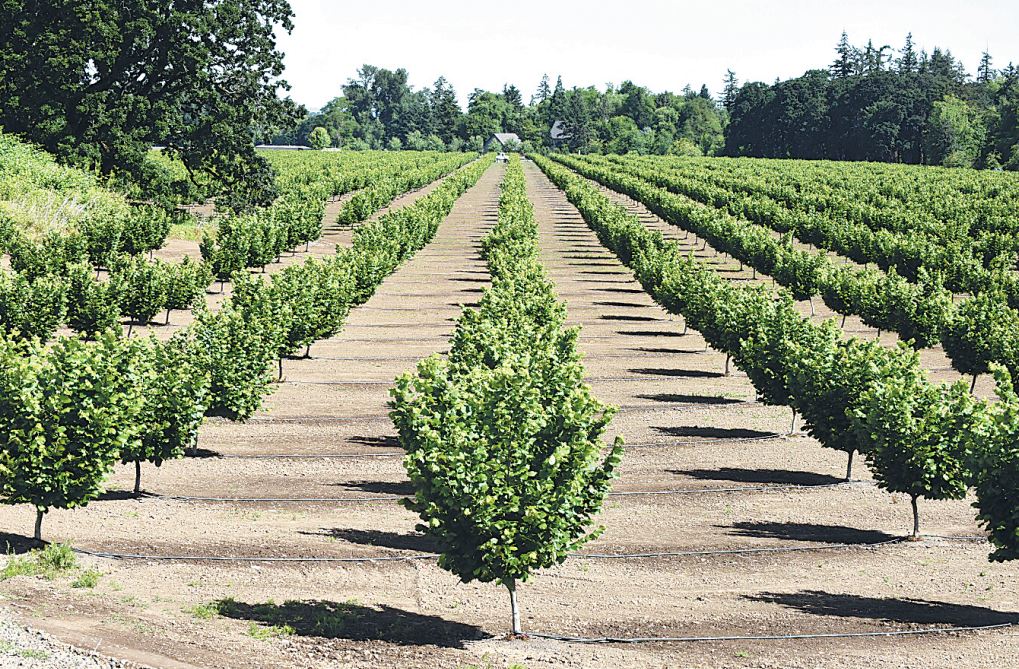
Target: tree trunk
(686, 326)
(222, 286)
(130, 327)
(307, 246)
(38, 523)
(755, 273)
(843, 320)
(973, 386)
(137, 476)
(280, 379)
(916, 519)
(849, 467)
(515, 610)
(728, 357)
(878, 337)
(810, 300)
(167, 322)
(792, 426)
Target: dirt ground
(707, 469)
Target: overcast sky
(659, 44)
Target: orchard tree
(99, 82)
(66, 412)
(92, 306)
(918, 434)
(319, 138)
(175, 390)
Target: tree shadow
(675, 398)
(334, 620)
(388, 441)
(713, 432)
(624, 317)
(652, 349)
(684, 373)
(121, 495)
(915, 611)
(648, 333)
(202, 453)
(417, 543)
(779, 476)
(627, 291)
(380, 487)
(632, 305)
(811, 532)
(468, 280)
(18, 544)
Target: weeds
(47, 562)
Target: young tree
(66, 412)
(918, 434)
(92, 306)
(174, 391)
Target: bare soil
(736, 483)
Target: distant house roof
(283, 147)
(504, 137)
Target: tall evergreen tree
(845, 64)
(908, 62)
(730, 90)
(985, 72)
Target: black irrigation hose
(769, 637)
(392, 498)
(431, 556)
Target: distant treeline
(871, 103)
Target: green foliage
(994, 454)
(186, 283)
(92, 306)
(89, 82)
(88, 578)
(66, 411)
(175, 390)
(319, 138)
(917, 435)
(142, 287)
(503, 440)
(31, 308)
(233, 346)
(983, 329)
(48, 562)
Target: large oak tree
(98, 82)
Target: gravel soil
(316, 474)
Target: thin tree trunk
(810, 300)
(916, 519)
(728, 357)
(843, 320)
(849, 467)
(754, 277)
(686, 325)
(280, 379)
(792, 426)
(222, 286)
(38, 524)
(878, 337)
(137, 476)
(307, 246)
(130, 327)
(167, 322)
(514, 608)
(307, 351)
(973, 385)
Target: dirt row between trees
(690, 431)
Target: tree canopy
(99, 82)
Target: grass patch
(265, 632)
(88, 578)
(192, 230)
(204, 611)
(46, 562)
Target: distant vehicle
(502, 158)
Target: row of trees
(503, 438)
(920, 439)
(71, 408)
(876, 104)
(378, 109)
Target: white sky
(659, 44)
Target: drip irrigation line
(426, 556)
(312, 456)
(770, 637)
(392, 498)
